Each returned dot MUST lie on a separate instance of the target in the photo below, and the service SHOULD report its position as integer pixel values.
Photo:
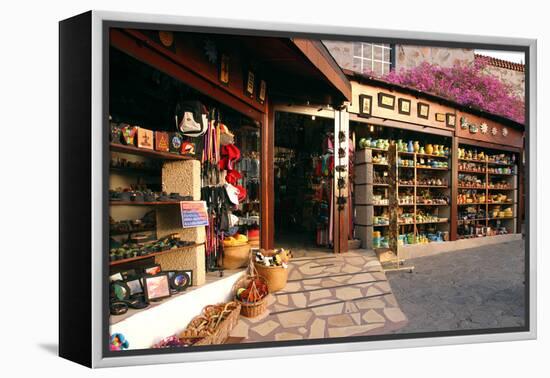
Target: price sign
(193, 214)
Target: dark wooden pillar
(267, 178)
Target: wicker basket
(276, 276)
(219, 331)
(250, 310)
(236, 257)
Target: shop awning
(299, 69)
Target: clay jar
(429, 149)
(416, 146)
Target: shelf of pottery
(423, 192)
(487, 198)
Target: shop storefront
(448, 176)
(192, 122)
(223, 144)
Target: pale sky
(511, 56)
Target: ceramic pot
(422, 151)
(400, 145)
(410, 147)
(429, 149)
(416, 146)
(436, 149)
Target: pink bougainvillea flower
(466, 84)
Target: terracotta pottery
(429, 149)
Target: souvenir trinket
(175, 142)
(145, 138)
(129, 134)
(161, 141)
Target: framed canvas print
(229, 212)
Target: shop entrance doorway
(303, 183)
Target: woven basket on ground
(251, 309)
(236, 257)
(214, 325)
(276, 276)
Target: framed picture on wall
(450, 120)
(386, 100)
(365, 105)
(423, 110)
(404, 106)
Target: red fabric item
(254, 233)
(232, 177)
(230, 154)
(242, 193)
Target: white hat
(232, 193)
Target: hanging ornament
(166, 38)
(483, 127)
(494, 130)
(463, 123)
(210, 51)
(504, 132)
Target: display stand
(396, 264)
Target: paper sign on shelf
(193, 214)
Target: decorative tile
(240, 330)
(353, 330)
(350, 269)
(373, 291)
(356, 317)
(361, 278)
(383, 286)
(329, 309)
(319, 294)
(359, 261)
(350, 307)
(391, 301)
(292, 286)
(294, 318)
(282, 299)
(370, 303)
(266, 328)
(343, 320)
(299, 300)
(287, 336)
(317, 330)
(372, 316)
(346, 293)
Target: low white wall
(149, 326)
(421, 250)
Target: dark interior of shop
(302, 180)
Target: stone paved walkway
(473, 288)
(327, 296)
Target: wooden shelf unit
(174, 250)
(441, 172)
(485, 165)
(115, 147)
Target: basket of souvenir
(272, 265)
(213, 325)
(236, 252)
(251, 293)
